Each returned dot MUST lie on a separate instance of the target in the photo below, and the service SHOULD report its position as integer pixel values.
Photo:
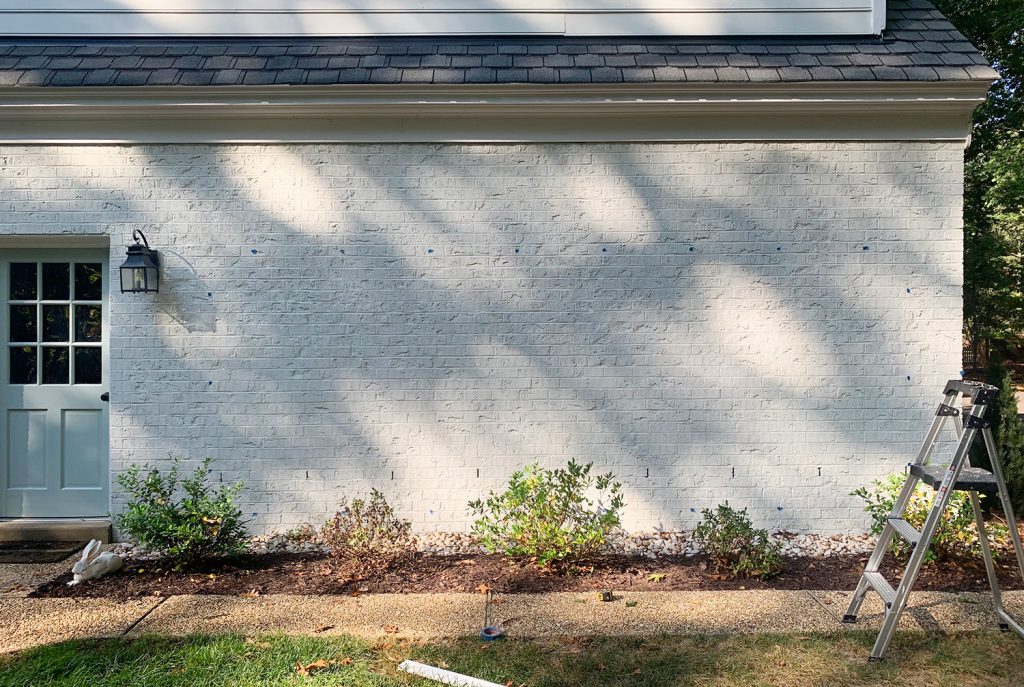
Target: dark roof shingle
(919, 44)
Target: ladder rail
(913, 569)
(1004, 498)
(899, 506)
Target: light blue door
(54, 375)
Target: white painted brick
(711, 321)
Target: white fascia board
(653, 112)
(435, 17)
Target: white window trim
(439, 17)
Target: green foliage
(368, 531)
(183, 519)
(729, 537)
(956, 534)
(993, 189)
(547, 516)
(1009, 436)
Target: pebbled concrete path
(27, 622)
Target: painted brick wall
(768, 324)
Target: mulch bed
(317, 574)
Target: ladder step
(882, 586)
(905, 530)
(971, 479)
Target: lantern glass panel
(152, 279)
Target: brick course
(767, 324)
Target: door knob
(105, 396)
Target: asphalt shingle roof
(919, 44)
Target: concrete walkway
(31, 622)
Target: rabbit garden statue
(94, 564)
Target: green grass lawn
(977, 658)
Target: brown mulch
(317, 574)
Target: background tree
(994, 178)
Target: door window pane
(23, 323)
(56, 281)
(55, 323)
(88, 281)
(23, 281)
(88, 365)
(23, 365)
(55, 365)
(88, 323)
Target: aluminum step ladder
(959, 475)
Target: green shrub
(547, 515)
(732, 542)
(1009, 436)
(183, 519)
(956, 534)
(368, 531)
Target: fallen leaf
(391, 629)
(656, 577)
(324, 628)
(631, 604)
(251, 594)
(305, 670)
(443, 665)
(346, 661)
(602, 667)
(483, 589)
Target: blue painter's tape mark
(693, 510)
(604, 250)
(430, 250)
(254, 251)
(908, 290)
(908, 378)
(209, 383)
(778, 508)
(866, 248)
(963, 373)
(691, 249)
(209, 294)
(517, 250)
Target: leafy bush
(368, 531)
(547, 515)
(728, 536)
(956, 534)
(1009, 436)
(183, 519)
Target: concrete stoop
(55, 529)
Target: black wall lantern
(140, 272)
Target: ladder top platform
(978, 391)
(971, 479)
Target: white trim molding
(439, 17)
(403, 114)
